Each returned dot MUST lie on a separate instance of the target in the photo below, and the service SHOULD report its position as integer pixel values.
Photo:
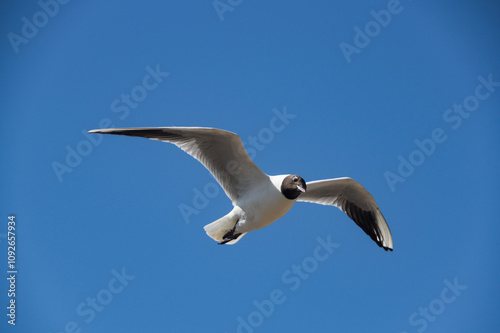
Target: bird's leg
(230, 235)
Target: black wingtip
(385, 248)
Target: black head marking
(292, 186)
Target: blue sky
(401, 96)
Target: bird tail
(217, 229)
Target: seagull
(260, 199)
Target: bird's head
(292, 186)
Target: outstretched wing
(354, 200)
(221, 152)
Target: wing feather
(221, 152)
(353, 199)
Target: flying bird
(260, 199)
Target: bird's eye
(295, 179)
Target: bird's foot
(230, 235)
(229, 238)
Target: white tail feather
(217, 229)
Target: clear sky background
(110, 229)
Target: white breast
(263, 205)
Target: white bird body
(260, 199)
(254, 211)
